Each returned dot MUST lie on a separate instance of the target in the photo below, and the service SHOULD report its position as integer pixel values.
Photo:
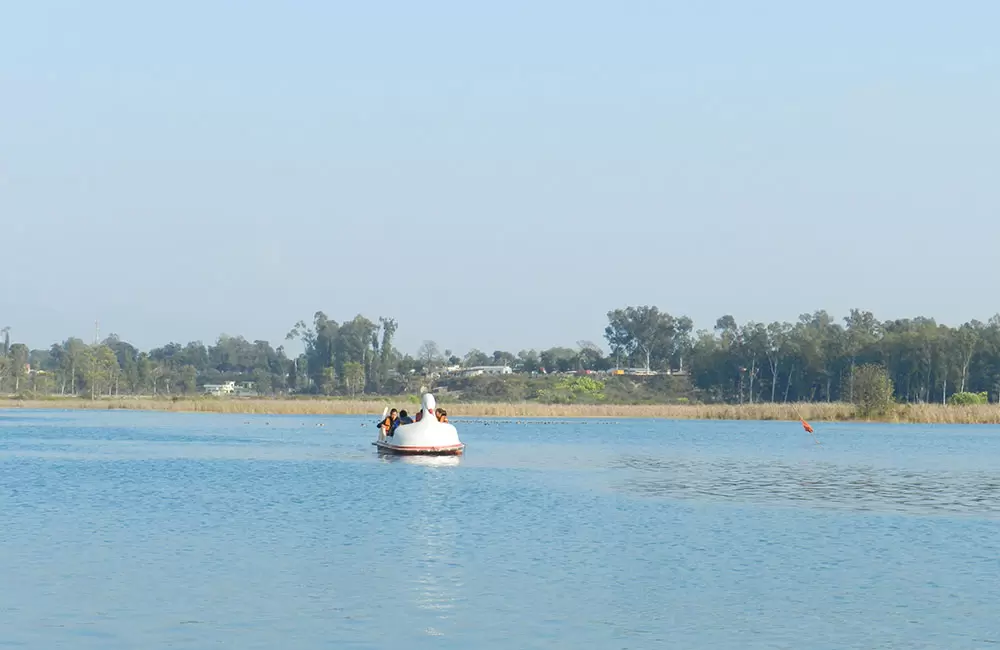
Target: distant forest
(811, 359)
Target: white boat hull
(426, 436)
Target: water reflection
(827, 485)
(414, 459)
(436, 573)
(431, 554)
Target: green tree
(590, 357)
(873, 389)
(682, 341)
(527, 361)
(862, 330)
(354, 377)
(42, 382)
(775, 347)
(752, 349)
(147, 373)
(645, 331)
(100, 369)
(328, 381)
(500, 358)
(301, 369)
(353, 342)
(188, 379)
(128, 362)
(968, 399)
(558, 359)
(967, 342)
(263, 381)
(475, 358)
(384, 352)
(321, 341)
(71, 355)
(18, 354)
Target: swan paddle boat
(425, 436)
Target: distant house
(475, 371)
(227, 388)
(242, 389)
(642, 372)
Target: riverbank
(812, 412)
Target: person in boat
(389, 424)
(420, 414)
(441, 414)
(404, 418)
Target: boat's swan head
(428, 403)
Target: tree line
(812, 359)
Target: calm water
(146, 530)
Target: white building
(475, 371)
(228, 388)
(243, 389)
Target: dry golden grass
(813, 412)
(667, 411)
(213, 405)
(941, 414)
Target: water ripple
(815, 484)
(153, 530)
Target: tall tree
(682, 340)
(776, 341)
(475, 358)
(753, 347)
(967, 341)
(643, 330)
(354, 377)
(429, 354)
(18, 353)
(862, 330)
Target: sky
(492, 175)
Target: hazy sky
(492, 176)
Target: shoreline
(812, 412)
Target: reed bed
(948, 414)
(261, 406)
(663, 411)
(812, 412)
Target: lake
(145, 530)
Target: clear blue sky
(492, 176)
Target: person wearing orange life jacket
(441, 414)
(389, 424)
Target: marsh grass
(813, 412)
